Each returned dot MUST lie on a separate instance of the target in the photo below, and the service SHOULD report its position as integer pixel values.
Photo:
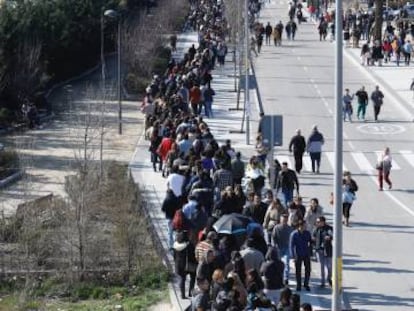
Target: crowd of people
(234, 239)
(234, 268)
(377, 98)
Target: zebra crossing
(355, 161)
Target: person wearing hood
(185, 262)
(314, 147)
(272, 273)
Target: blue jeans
(326, 264)
(287, 195)
(285, 257)
(208, 109)
(170, 233)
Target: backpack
(198, 218)
(178, 222)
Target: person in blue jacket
(300, 251)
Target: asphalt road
(297, 81)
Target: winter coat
(272, 270)
(170, 204)
(315, 142)
(181, 251)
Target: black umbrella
(232, 224)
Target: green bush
(136, 84)
(99, 293)
(82, 291)
(163, 52)
(159, 65)
(6, 117)
(154, 278)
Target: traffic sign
(252, 82)
(272, 130)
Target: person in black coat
(185, 261)
(169, 206)
(298, 146)
(272, 272)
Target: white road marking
(331, 159)
(408, 156)
(362, 162)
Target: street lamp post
(115, 15)
(246, 90)
(337, 243)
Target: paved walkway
(48, 154)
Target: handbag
(379, 165)
(190, 267)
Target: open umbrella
(233, 223)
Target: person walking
(272, 274)
(407, 50)
(298, 146)
(347, 102)
(300, 249)
(349, 187)
(314, 147)
(268, 33)
(185, 262)
(280, 236)
(287, 182)
(322, 237)
(377, 98)
(362, 97)
(384, 165)
(207, 95)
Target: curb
(11, 179)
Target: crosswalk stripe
(395, 166)
(307, 163)
(362, 161)
(408, 156)
(331, 160)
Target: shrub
(6, 117)
(159, 65)
(136, 84)
(99, 293)
(163, 52)
(82, 291)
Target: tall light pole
(246, 59)
(337, 242)
(116, 15)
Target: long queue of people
(246, 263)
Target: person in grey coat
(314, 147)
